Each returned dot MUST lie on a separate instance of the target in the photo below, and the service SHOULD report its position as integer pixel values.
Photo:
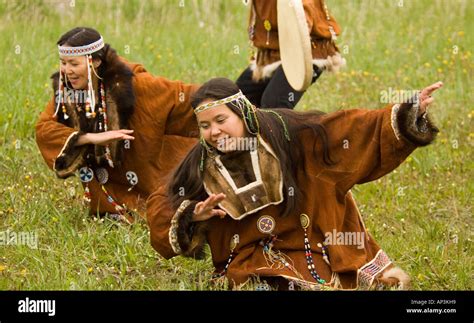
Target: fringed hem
(331, 64)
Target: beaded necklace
(304, 219)
(233, 244)
(328, 18)
(103, 122)
(86, 175)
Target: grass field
(421, 214)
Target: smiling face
(75, 70)
(220, 126)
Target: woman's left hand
(425, 96)
(205, 210)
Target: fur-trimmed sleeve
(419, 130)
(172, 232)
(368, 144)
(57, 143)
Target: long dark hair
(81, 36)
(187, 181)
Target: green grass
(421, 214)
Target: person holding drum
(298, 34)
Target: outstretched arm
(368, 144)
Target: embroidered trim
(81, 50)
(394, 122)
(366, 274)
(205, 106)
(64, 147)
(173, 233)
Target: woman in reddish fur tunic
(120, 127)
(270, 190)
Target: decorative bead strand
(103, 113)
(63, 107)
(325, 253)
(268, 26)
(309, 260)
(224, 271)
(233, 245)
(103, 108)
(120, 209)
(305, 224)
(90, 101)
(328, 17)
(87, 194)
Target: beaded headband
(212, 104)
(81, 50)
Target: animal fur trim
(70, 158)
(395, 276)
(120, 100)
(330, 64)
(418, 130)
(186, 237)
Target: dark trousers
(272, 92)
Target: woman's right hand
(425, 96)
(206, 209)
(105, 138)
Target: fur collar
(258, 184)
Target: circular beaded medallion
(265, 224)
(132, 178)
(304, 219)
(102, 175)
(86, 174)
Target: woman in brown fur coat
(270, 190)
(111, 121)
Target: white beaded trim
(212, 104)
(394, 122)
(81, 50)
(367, 273)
